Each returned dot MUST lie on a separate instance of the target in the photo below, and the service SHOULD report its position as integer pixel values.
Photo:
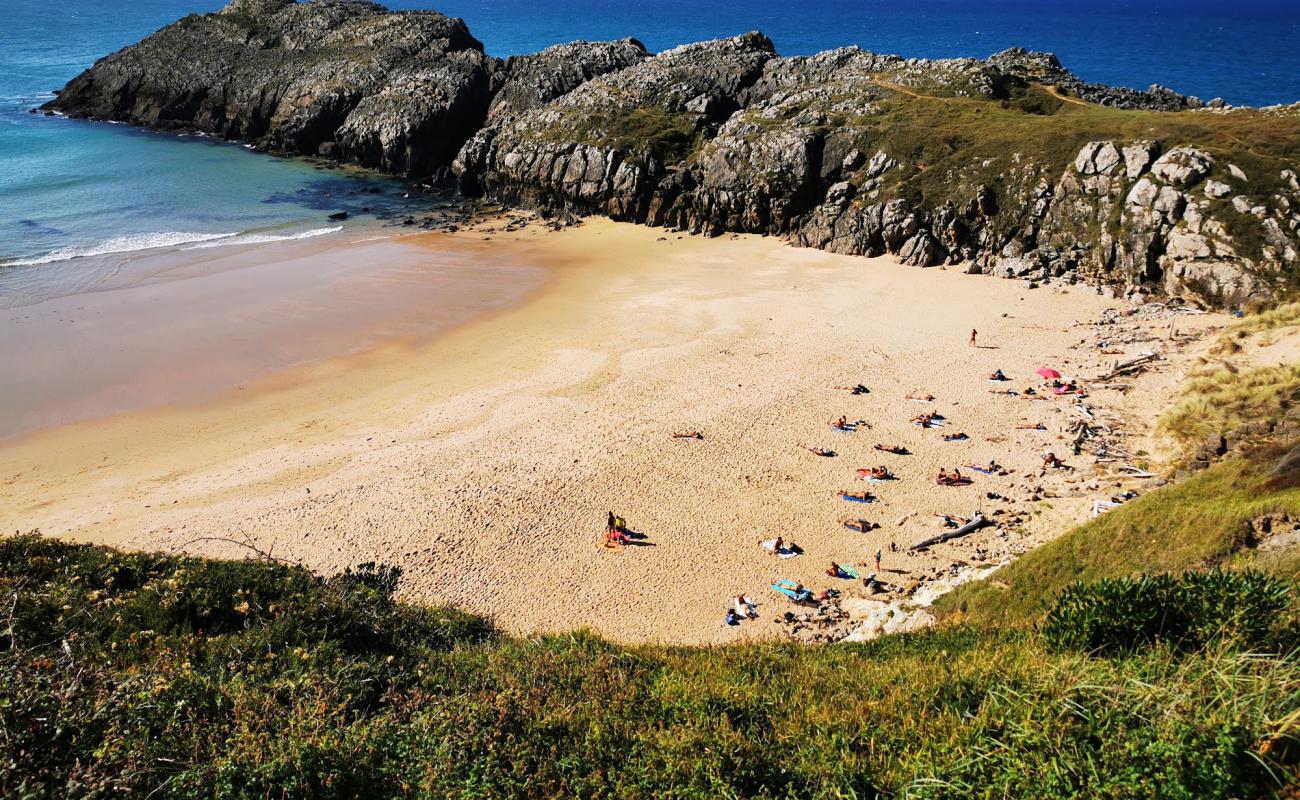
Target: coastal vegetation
(1204, 520)
(159, 675)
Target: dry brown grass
(1237, 405)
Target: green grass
(149, 675)
(953, 135)
(639, 131)
(1201, 521)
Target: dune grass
(1201, 521)
(1233, 404)
(148, 675)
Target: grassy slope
(187, 678)
(957, 132)
(1198, 522)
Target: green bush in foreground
(167, 677)
(1188, 611)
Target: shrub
(1191, 611)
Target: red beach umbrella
(1048, 373)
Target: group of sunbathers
(954, 478)
(616, 531)
(779, 547)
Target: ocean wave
(266, 238)
(119, 244)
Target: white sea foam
(266, 238)
(152, 241)
(119, 244)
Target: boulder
(1097, 158)
(1137, 157)
(1182, 166)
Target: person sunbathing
(925, 398)
(896, 449)
(1050, 461)
(956, 437)
(1037, 426)
(862, 497)
(836, 571)
(842, 424)
(953, 521)
(998, 376)
(860, 525)
(819, 451)
(924, 420)
(880, 474)
(688, 435)
(744, 607)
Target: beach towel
(981, 469)
(784, 552)
(858, 499)
(790, 589)
(849, 571)
(1100, 507)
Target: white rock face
(1182, 166)
(1216, 189)
(877, 618)
(1097, 158)
(1137, 157)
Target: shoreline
(483, 460)
(188, 325)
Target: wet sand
(184, 324)
(483, 461)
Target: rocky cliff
(1009, 165)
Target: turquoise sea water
(69, 188)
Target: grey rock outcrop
(949, 161)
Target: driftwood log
(977, 522)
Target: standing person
(973, 334)
(610, 524)
(877, 561)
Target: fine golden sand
(483, 462)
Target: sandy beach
(483, 455)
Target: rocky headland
(1010, 165)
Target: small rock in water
(339, 215)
